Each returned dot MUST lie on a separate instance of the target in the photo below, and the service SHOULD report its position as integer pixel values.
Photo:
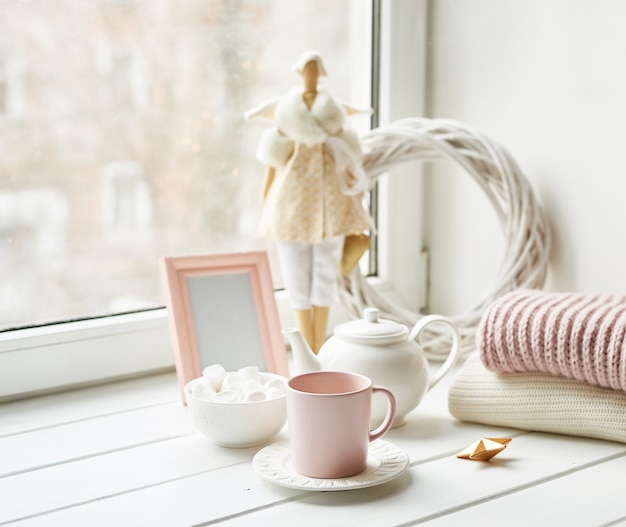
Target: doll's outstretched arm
(353, 110)
(264, 111)
(269, 179)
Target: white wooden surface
(127, 454)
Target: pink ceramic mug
(329, 422)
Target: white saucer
(385, 461)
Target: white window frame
(56, 356)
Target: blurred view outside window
(122, 137)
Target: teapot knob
(370, 314)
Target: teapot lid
(371, 328)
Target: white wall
(547, 80)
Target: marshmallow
(244, 385)
(215, 375)
(251, 386)
(254, 397)
(232, 381)
(249, 372)
(278, 384)
(274, 393)
(202, 391)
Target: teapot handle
(455, 350)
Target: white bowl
(238, 424)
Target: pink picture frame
(222, 310)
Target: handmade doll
(313, 194)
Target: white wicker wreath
(522, 220)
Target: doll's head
(310, 56)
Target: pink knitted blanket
(573, 335)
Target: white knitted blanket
(537, 401)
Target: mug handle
(391, 413)
(455, 350)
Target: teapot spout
(304, 360)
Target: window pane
(122, 136)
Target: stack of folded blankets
(550, 362)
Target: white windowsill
(74, 354)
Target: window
(193, 148)
(134, 143)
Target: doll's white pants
(310, 270)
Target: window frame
(66, 355)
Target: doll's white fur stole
(295, 123)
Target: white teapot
(382, 350)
